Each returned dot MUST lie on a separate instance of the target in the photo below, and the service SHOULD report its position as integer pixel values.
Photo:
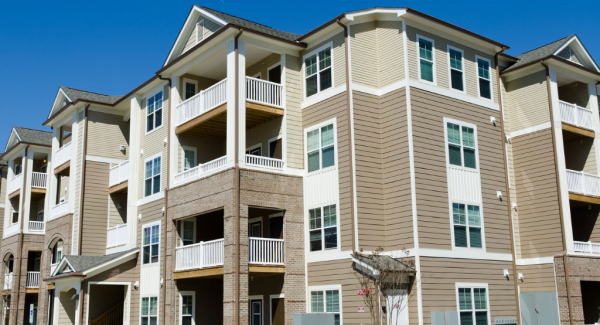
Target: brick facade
(580, 269)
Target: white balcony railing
(265, 251)
(200, 255)
(200, 170)
(39, 179)
(8, 279)
(62, 155)
(586, 247)
(264, 92)
(583, 183)
(264, 162)
(576, 115)
(11, 229)
(36, 226)
(116, 236)
(202, 102)
(33, 279)
(59, 210)
(119, 174)
(15, 183)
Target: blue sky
(111, 47)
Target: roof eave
(8, 152)
(552, 57)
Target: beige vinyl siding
(339, 58)
(293, 112)
(537, 278)
(537, 195)
(428, 112)
(117, 216)
(439, 278)
(153, 143)
(263, 133)
(206, 149)
(528, 101)
(107, 133)
(335, 107)
(95, 208)
(590, 162)
(203, 83)
(580, 155)
(441, 62)
(210, 26)
(390, 50)
(66, 308)
(263, 65)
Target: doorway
(256, 312)
(277, 311)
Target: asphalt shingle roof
(75, 94)
(33, 136)
(540, 52)
(81, 263)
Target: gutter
(21, 234)
(236, 215)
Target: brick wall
(580, 269)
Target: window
(190, 89)
(188, 232)
(318, 75)
(323, 228)
(255, 150)
(56, 254)
(187, 307)
(149, 311)
(473, 305)
(199, 31)
(151, 244)
(154, 112)
(483, 72)
(152, 176)
(467, 225)
(461, 145)
(189, 158)
(320, 148)
(456, 68)
(326, 301)
(426, 59)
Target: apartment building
(248, 178)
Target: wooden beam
(5, 292)
(62, 168)
(32, 290)
(50, 286)
(118, 188)
(201, 273)
(36, 190)
(266, 269)
(584, 198)
(577, 130)
(201, 119)
(265, 108)
(14, 194)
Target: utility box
(314, 319)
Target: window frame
(150, 225)
(322, 228)
(273, 66)
(256, 220)
(273, 139)
(316, 52)
(198, 34)
(335, 146)
(193, 219)
(323, 289)
(262, 308)
(481, 225)
(157, 307)
(477, 58)
(462, 285)
(183, 149)
(152, 177)
(187, 293)
(461, 124)
(189, 81)
(434, 66)
(464, 82)
(252, 147)
(160, 90)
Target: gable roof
(75, 94)
(33, 136)
(539, 53)
(84, 264)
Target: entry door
(256, 312)
(276, 227)
(277, 312)
(275, 75)
(397, 309)
(255, 229)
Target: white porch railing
(265, 251)
(62, 155)
(36, 226)
(264, 92)
(200, 170)
(33, 279)
(264, 162)
(15, 183)
(11, 229)
(59, 210)
(119, 174)
(200, 255)
(39, 179)
(8, 279)
(202, 102)
(586, 247)
(116, 236)
(583, 183)
(576, 115)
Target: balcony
(201, 170)
(33, 280)
(12, 229)
(265, 251)
(39, 180)
(15, 184)
(62, 157)
(202, 103)
(36, 226)
(576, 120)
(264, 162)
(59, 210)
(200, 255)
(8, 280)
(118, 177)
(264, 92)
(116, 236)
(583, 187)
(586, 247)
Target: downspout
(164, 246)
(83, 165)
(237, 185)
(21, 234)
(506, 182)
(560, 210)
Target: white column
(73, 180)
(26, 191)
(174, 145)
(7, 206)
(242, 102)
(134, 162)
(593, 100)
(230, 102)
(284, 137)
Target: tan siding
(210, 27)
(95, 209)
(537, 278)
(66, 308)
(537, 197)
(339, 58)
(107, 132)
(428, 111)
(390, 49)
(203, 83)
(263, 133)
(263, 65)
(293, 112)
(528, 101)
(363, 51)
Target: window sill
(154, 130)
(151, 198)
(322, 95)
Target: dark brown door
(277, 312)
(275, 149)
(276, 227)
(275, 75)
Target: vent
(505, 321)
(569, 54)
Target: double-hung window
(326, 301)
(467, 225)
(187, 308)
(188, 232)
(323, 231)
(426, 59)
(189, 158)
(152, 176)
(149, 314)
(321, 148)
(473, 305)
(318, 72)
(483, 75)
(456, 68)
(461, 145)
(151, 243)
(154, 112)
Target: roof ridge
(22, 127)
(539, 47)
(87, 91)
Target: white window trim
(269, 145)
(183, 149)
(199, 33)
(255, 220)
(271, 297)
(257, 76)
(464, 91)
(466, 203)
(144, 196)
(323, 289)
(154, 93)
(194, 220)
(469, 125)
(262, 307)
(279, 63)
(186, 293)
(458, 285)
(434, 67)
(477, 57)
(311, 53)
(144, 226)
(157, 306)
(189, 81)
(337, 217)
(258, 145)
(335, 153)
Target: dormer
(573, 50)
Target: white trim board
(530, 129)
(535, 260)
(104, 159)
(379, 91)
(453, 94)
